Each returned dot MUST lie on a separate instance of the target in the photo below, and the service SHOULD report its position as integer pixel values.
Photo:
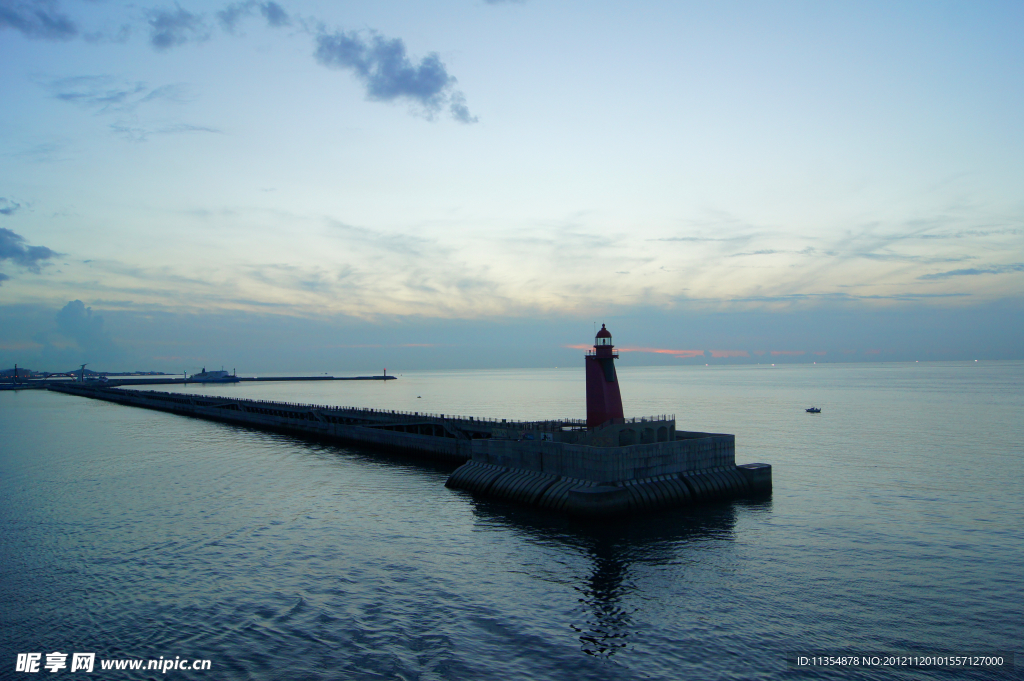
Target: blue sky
(487, 179)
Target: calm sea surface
(896, 525)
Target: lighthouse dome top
(604, 336)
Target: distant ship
(212, 377)
(814, 410)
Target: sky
(307, 186)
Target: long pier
(436, 436)
(623, 466)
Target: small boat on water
(814, 410)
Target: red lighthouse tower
(603, 399)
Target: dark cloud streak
(40, 19)
(138, 133)
(99, 93)
(106, 95)
(274, 14)
(12, 247)
(232, 14)
(8, 207)
(172, 27)
(970, 272)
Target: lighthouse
(603, 399)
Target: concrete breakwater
(623, 466)
(592, 481)
(433, 437)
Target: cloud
(388, 74)
(867, 255)
(138, 133)
(682, 354)
(965, 234)
(232, 14)
(702, 238)
(37, 19)
(12, 248)
(3, 277)
(104, 94)
(77, 322)
(8, 207)
(788, 353)
(459, 110)
(96, 92)
(121, 35)
(898, 257)
(729, 353)
(275, 15)
(172, 27)
(380, 63)
(842, 297)
(78, 337)
(999, 269)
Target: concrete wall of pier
(697, 451)
(593, 482)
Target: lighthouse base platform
(598, 482)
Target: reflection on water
(612, 549)
(608, 627)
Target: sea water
(895, 526)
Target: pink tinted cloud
(659, 351)
(821, 353)
(776, 353)
(730, 353)
(666, 351)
